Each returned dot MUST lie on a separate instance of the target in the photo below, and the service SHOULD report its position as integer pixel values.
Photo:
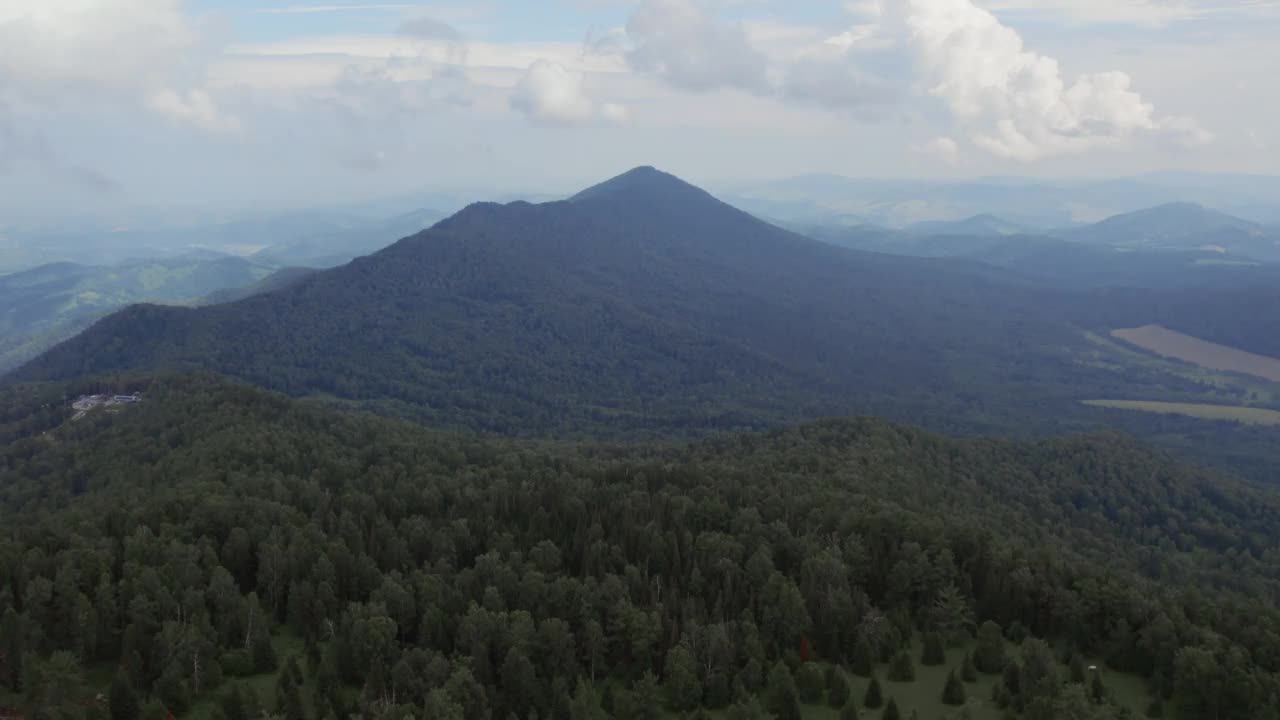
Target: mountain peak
(638, 183)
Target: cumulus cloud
(194, 107)
(550, 94)
(57, 53)
(941, 148)
(688, 47)
(1015, 103)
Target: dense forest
(153, 557)
(645, 308)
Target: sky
(273, 104)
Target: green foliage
(935, 652)
(874, 697)
(122, 700)
(863, 662)
(891, 711)
(968, 670)
(901, 668)
(810, 683)
(988, 656)
(684, 689)
(838, 691)
(953, 692)
(503, 573)
(783, 698)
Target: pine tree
(838, 690)
(11, 637)
(1077, 669)
(935, 651)
(783, 699)
(891, 711)
(810, 683)
(969, 671)
(902, 669)
(863, 661)
(1097, 691)
(122, 701)
(953, 692)
(873, 699)
(849, 711)
(233, 704)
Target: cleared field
(1167, 343)
(1246, 415)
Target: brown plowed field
(1165, 342)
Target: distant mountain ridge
(45, 305)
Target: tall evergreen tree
(874, 698)
(863, 662)
(891, 711)
(849, 711)
(783, 698)
(838, 690)
(122, 701)
(968, 670)
(902, 669)
(935, 651)
(953, 692)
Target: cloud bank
(921, 56)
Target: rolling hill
(45, 305)
(1185, 227)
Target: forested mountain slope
(643, 304)
(46, 305)
(443, 576)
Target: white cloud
(1014, 103)
(1150, 13)
(942, 148)
(194, 107)
(680, 42)
(58, 53)
(550, 94)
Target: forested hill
(641, 305)
(182, 539)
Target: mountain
(438, 571)
(1183, 226)
(645, 306)
(1048, 261)
(275, 281)
(831, 199)
(48, 304)
(976, 225)
(329, 249)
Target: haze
(217, 104)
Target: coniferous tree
(891, 711)
(902, 669)
(849, 711)
(968, 670)
(810, 683)
(874, 697)
(989, 655)
(935, 651)
(838, 690)
(863, 662)
(953, 692)
(783, 698)
(122, 701)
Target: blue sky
(271, 103)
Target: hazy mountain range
(645, 305)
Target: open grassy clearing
(1167, 343)
(1233, 413)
